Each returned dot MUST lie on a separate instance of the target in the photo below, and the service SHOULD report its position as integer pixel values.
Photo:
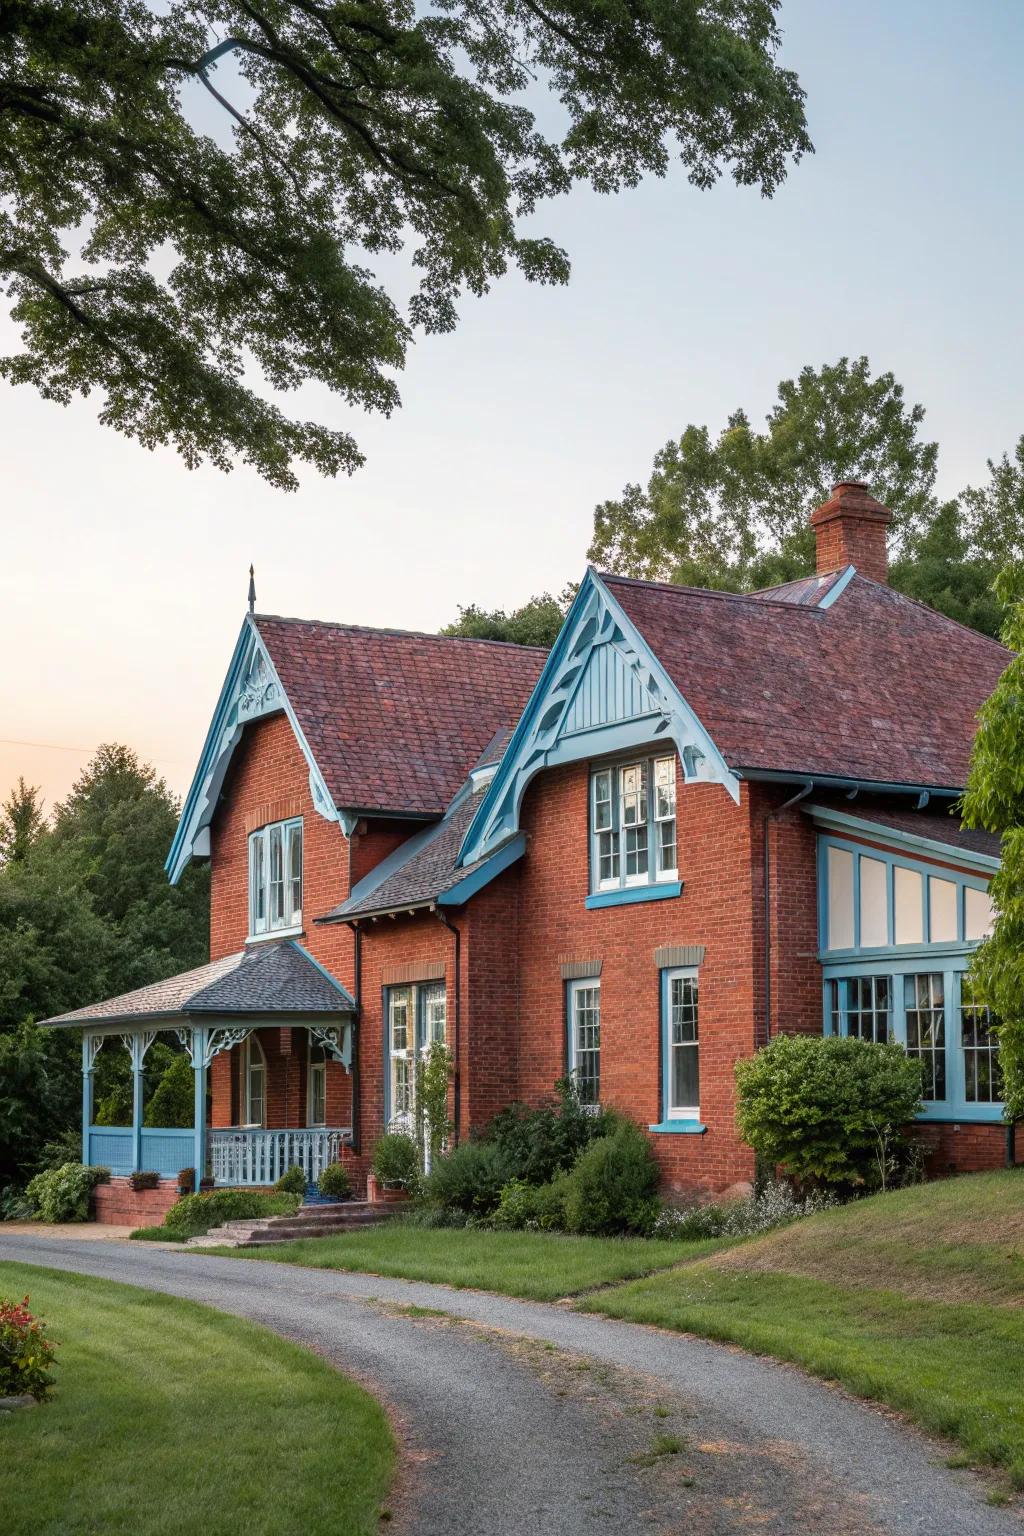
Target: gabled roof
(873, 686)
(424, 870)
(396, 720)
(277, 978)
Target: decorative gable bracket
(252, 689)
(602, 690)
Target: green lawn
(914, 1299)
(170, 1418)
(540, 1266)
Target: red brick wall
(716, 910)
(965, 1148)
(118, 1205)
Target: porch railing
(261, 1157)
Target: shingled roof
(269, 978)
(874, 687)
(396, 720)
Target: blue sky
(123, 576)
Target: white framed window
(275, 878)
(584, 1029)
(417, 1020)
(316, 1103)
(633, 823)
(681, 1045)
(252, 1082)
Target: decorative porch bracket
(336, 1041)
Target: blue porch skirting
(164, 1152)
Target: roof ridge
(406, 634)
(715, 592)
(934, 613)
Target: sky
(123, 575)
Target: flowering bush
(25, 1352)
(62, 1194)
(774, 1206)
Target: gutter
(854, 787)
(773, 815)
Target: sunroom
(247, 1003)
(903, 904)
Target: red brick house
(701, 819)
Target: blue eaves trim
(484, 873)
(679, 1127)
(632, 893)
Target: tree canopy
(156, 264)
(85, 912)
(537, 622)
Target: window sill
(276, 933)
(679, 1127)
(632, 893)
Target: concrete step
(310, 1221)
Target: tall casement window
(633, 824)
(897, 933)
(275, 878)
(681, 1046)
(252, 1082)
(416, 1019)
(584, 1032)
(316, 1101)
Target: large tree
(537, 622)
(995, 801)
(22, 821)
(154, 264)
(730, 510)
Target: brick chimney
(850, 529)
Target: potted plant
(140, 1180)
(395, 1165)
(186, 1181)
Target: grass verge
(170, 1417)
(912, 1299)
(538, 1266)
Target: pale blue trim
(678, 1127)
(348, 999)
(626, 896)
(843, 821)
(222, 738)
(484, 873)
(838, 587)
(595, 617)
(955, 1107)
(892, 861)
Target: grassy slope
(540, 1266)
(169, 1418)
(914, 1299)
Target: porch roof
(278, 979)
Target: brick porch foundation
(118, 1205)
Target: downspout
(1011, 1145)
(357, 989)
(771, 816)
(453, 928)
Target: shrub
(538, 1143)
(470, 1178)
(533, 1207)
(433, 1124)
(143, 1180)
(292, 1181)
(187, 1180)
(62, 1194)
(396, 1159)
(195, 1214)
(613, 1184)
(173, 1104)
(825, 1107)
(15, 1204)
(25, 1352)
(66, 1147)
(335, 1182)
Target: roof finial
(252, 590)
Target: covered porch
(269, 990)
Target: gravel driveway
(517, 1417)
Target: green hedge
(195, 1214)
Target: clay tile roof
(272, 978)
(396, 720)
(876, 687)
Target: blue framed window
(583, 1024)
(680, 1024)
(415, 1018)
(873, 900)
(633, 824)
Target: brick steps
(310, 1221)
